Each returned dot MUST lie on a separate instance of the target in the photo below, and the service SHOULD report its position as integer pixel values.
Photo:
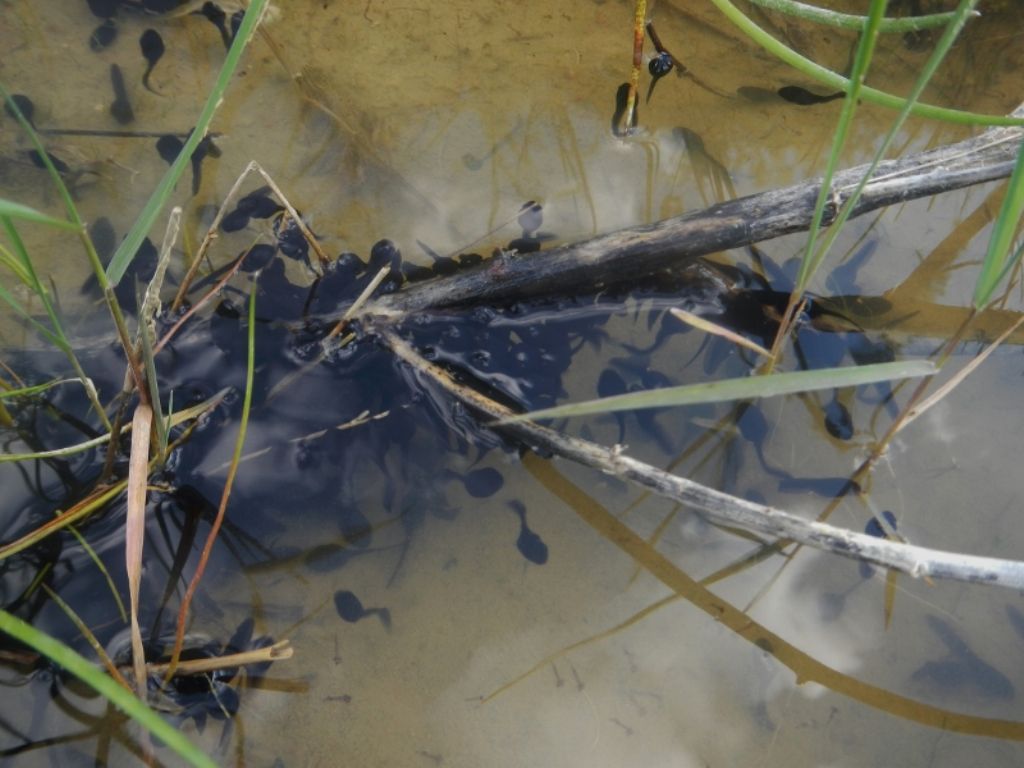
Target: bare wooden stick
(279, 650)
(212, 234)
(719, 507)
(630, 253)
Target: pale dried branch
(720, 507)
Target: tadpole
(350, 608)
(619, 126)
(121, 107)
(24, 105)
(169, 147)
(876, 529)
(216, 16)
(838, 421)
(103, 35)
(104, 9)
(103, 237)
(152, 46)
(794, 94)
(531, 216)
(530, 545)
(661, 64)
(37, 160)
(483, 482)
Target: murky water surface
(419, 566)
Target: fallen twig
(630, 253)
(721, 507)
(279, 650)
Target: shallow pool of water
(431, 125)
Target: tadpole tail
(650, 89)
(145, 81)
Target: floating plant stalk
(193, 585)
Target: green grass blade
(10, 209)
(746, 388)
(963, 12)
(126, 251)
(862, 59)
(87, 548)
(33, 282)
(80, 510)
(849, 21)
(56, 453)
(79, 226)
(44, 156)
(85, 632)
(173, 420)
(45, 332)
(56, 335)
(837, 81)
(34, 390)
(77, 665)
(236, 459)
(149, 361)
(997, 266)
(12, 263)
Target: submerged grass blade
(745, 388)
(236, 457)
(997, 266)
(145, 220)
(66, 658)
(62, 189)
(862, 59)
(55, 334)
(837, 81)
(84, 508)
(87, 548)
(12, 210)
(173, 420)
(7, 259)
(714, 329)
(942, 47)
(74, 222)
(27, 274)
(35, 390)
(90, 638)
(806, 667)
(917, 410)
(849, 21)
(43, 331)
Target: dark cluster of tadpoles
(484, 346)
(517, 361)
(480, 344)
(152, 46)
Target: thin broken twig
(722, 508)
